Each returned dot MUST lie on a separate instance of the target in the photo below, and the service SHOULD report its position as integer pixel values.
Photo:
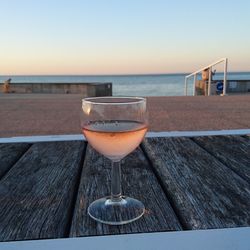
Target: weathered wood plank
(233, 151)
(9, 154)
(138, 182)
(37, 194)
(204, 192)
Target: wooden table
(185, 184)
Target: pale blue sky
(122, 36)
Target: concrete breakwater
(86, 89)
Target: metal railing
(209, 67)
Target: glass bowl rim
(135, 100)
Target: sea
(129, 85)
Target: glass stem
(116, 193)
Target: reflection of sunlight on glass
(86, 109)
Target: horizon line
(128, 74)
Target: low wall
(233, 86)
(86, 89)
(238, 86)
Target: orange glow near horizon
(96, 59)
(50, 60)
(106, 67)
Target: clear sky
(122, 36)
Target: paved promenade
(53, 114)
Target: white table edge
(228, 239)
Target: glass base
(118, 212)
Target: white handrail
(225, 60)
(225, 77)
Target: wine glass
(114, 126)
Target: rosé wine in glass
(115, 139)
